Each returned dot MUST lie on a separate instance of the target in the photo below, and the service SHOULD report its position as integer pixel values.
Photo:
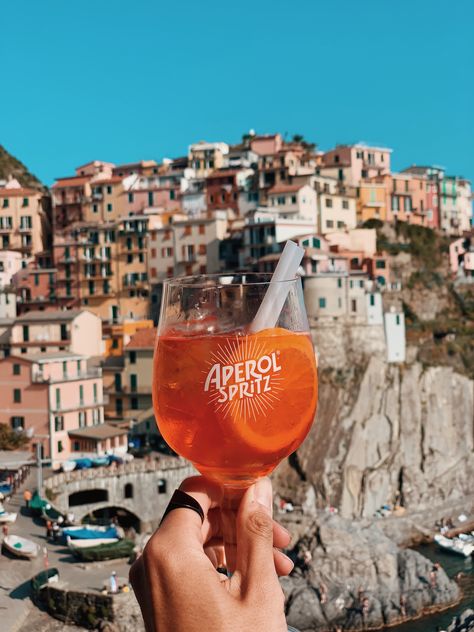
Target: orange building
(372, 200)
(116, 337)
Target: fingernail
(263, 493)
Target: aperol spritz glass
(234, 403)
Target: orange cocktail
(235, 404)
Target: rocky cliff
(353, 576)
(11, 167)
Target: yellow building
(24, 219)
(106, 202)
(372, 200)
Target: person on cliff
(176, 581)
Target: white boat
(21, 547)
(461, 545)
(68, 466)
(6, 516)
(87, 544)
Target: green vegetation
(11, 439)
(11, 166)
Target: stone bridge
(142, 487)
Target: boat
(114, 550)
(21, 547)
(6, 517)
(100, 461)
(37, 503)
(68, 466)
(50, 513)
(83, 464)
(6, 489)
(89, 543)
(460, 545)
(90, 532)
(42, 579)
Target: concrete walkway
(15, 573)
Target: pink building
(10, 263)
(266, 145)
(36, 289)
(50, 396)
(461, 257)
(351, 163)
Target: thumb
(254, 562)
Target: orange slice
(281, 411)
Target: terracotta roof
(73, 181)
(5, 192)
(102, 431)
(143, 339)
(285, 188)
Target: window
(82, 419)
(408, 204)
(106, 288)
(91, 287)
(17, 395)
(336, 158)
(345, 204)
(406, 185)
(372, 300)
(17, 423)
(339, 302)
(202, 229)
(328, 203)
(134, 403)
(26, 202)
(162, 487)
(17, 369)
(395, 203)
(95, 208)
(95, 393)
(202, 249)
(380, 263)
(128, 491)
(118, 381)
(397, 319)
(60, 446)
(129, 258)
(364, 173)
(172, 194)
(339, 283)
(81, 395)
(58, 423)
(132, 357)
(329, 223)
(150, 198)
(26, 333)
(76, 446)
(361, 284)
(133, 382)
(353, 305)
(6, 202)
(293, 199)
(322, 303)
(64, 369)
(340, 224)
(64, 334)
(130, 198)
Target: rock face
(387, 434)
(350, 574)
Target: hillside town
(82, 267)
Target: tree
(12, 439)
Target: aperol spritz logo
(243, 379)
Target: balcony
(91, 373)
(134, 279)
(64, 408)
(6, 229)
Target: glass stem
(230, 507)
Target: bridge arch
(119, 514)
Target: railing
(163, 463)
(66, 409)
(85, 375)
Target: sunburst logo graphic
(243, 379)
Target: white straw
(275, 296)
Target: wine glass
(232, 400)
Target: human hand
(176, 582)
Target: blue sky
(121, 81)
